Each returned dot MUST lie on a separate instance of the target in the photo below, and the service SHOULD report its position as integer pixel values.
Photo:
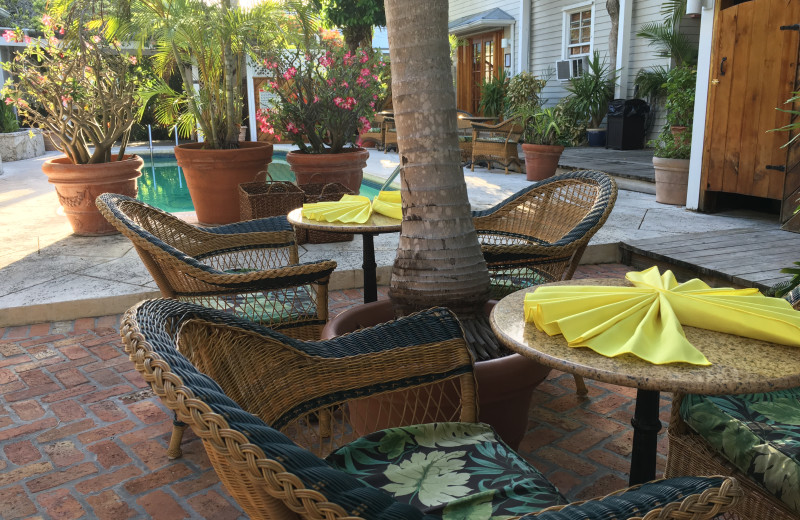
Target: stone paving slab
(82, 435)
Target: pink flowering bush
(323, 97)
(83, 89)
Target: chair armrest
(262, 225)
(263, 280)
(676, 498)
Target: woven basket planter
(268, 199)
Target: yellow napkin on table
(645, 320)
(388, 203)
(355, 208)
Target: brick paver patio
(82, 435)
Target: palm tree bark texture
(439, 260)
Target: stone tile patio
(83, 436)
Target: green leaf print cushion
(460, 471)
(757, 433)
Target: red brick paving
(81, 435)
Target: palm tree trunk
(612, 6)
(439, 260)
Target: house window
(579, 33)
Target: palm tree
(439, 260)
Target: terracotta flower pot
(346, 168)
(213, 177)
(78, 185)
(541, 161)
(505, 385)
(672, 180)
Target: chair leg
(580, 385)
(174, 449)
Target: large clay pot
(505, 385)
(672, 180)
(541, 161)
(213, 177)
(346, 168)
(78, 185)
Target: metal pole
(176, 135)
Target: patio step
(746, 257)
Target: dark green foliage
(493, 96)
(590, 93)
(8, 120)
(680, 87)
(25, 14)
(355, 18)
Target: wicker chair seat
(267, 407)
(757, 433)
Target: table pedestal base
(369, 268)
(646, 426)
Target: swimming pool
(162, 183)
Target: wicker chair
(497, 143)
(252, 395)
(464, 127)
(689, 452)
(389, 134)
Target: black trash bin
(626, 122)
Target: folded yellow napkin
(355, 208)
(351, 208)
(645, 320)
(388, 203)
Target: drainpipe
(700, 105)
(524, 45)
(624, 47)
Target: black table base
(369, 268)
(646, 426)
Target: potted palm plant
(542, 141)
(206, 44)
(590, 94)
(324, 95)
(82, 89)
(671, 154)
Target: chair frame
(504, 152)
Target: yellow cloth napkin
(355, 208)
(645, 320)
(388, 203)
(350, 209)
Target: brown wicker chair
(389, 134)
(497, 143)
(690, 452)
(375, 134)
(464, 127)
(252, 395)
(539, 234)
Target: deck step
(746, 257)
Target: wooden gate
(753, 71)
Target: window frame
(567, 12)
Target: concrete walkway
(47, 274)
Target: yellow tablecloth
(645, 320)
(355, 208)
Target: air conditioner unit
(572, 68)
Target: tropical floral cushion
(758, 433)
(452, 470)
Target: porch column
(524, 45)
(623, 47)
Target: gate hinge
(795, 27)
(779, 167)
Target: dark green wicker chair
(268, 407)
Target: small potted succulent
(82, 89)
(324, 95)
(672, 151)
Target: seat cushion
(757, 433)
(456, 470)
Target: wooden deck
(739, 257)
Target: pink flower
(10, 36)
(273, 85)
(337, 101)
(96, 39)
(46, 20)
(365, 72)
(9, 101)
(291, 128)
(289, 74)
(364, 57)
(345, 85)
(27, 39)
(316, 99)
(375, 96)
(133, 60)
(375, 77)
(61, 31)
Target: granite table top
(738, 364)
(376, 224)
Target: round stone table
(739, 365)
(376, 225)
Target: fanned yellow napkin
(645, 320)
(355, 208)
(351, 208)
(388, 203)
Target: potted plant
(206, 44)
(83, 90)
(671, 154)
(493, 95)
(590, 94)
(323, 96)
(542, 142)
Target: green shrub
(8, 120)
(493, 96)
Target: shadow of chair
(497, 143)
(268, 407)
(737, 435)
(538, 235)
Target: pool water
(163, 185)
